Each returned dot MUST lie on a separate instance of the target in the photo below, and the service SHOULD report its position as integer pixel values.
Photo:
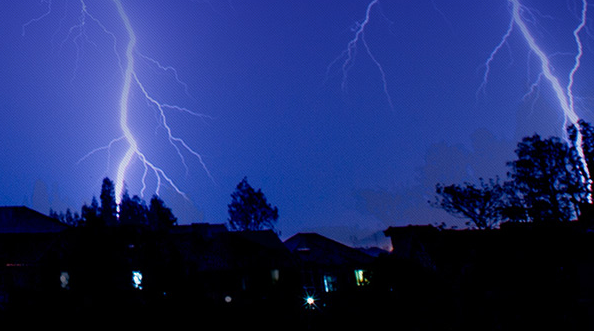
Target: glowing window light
(64, 279)
(137, 279)
(361, 278)
(275, 275)
(329, 283)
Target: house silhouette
(21, 219)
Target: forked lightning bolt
(130, 81)
(564, 95)
(349, 54)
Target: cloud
(444, 163)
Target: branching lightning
(564, 95)
(350, 52)
(131, 80)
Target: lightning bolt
(127, 65)
(351, 50)
(37, 19)
(564, 95)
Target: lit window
(329, 283)
(64, 279)
(137, 279)
(275, 275)
(361, 277)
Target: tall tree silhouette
(249, 210)
(133, 210)
(545, 179)
(587, 132)
(108, 203)
(160, 217)
(90, 214)
(69, 218)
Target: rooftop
(21, 219)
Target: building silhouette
(519, 276)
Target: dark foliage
(67, 218)
(546, 182)
(160, 216)
(249, 210)
(587, 144)
(545, 179)
(108, 203)
(133, 211)
(482, 204)
(90, 214)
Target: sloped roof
(232, 250)
(264, 238)
(411, 230)
(206, 230)
(20, 219)
(315, 248)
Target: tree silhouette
(482, 204)
(249, 210)
(160, 217)
(587, 132)
(545, 179)
(546, 183)
(67, 218)
(108, 203)
(133, 210)
(90, 214)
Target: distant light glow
(310, 300)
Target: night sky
(266, 93)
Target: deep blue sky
(268, 76)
